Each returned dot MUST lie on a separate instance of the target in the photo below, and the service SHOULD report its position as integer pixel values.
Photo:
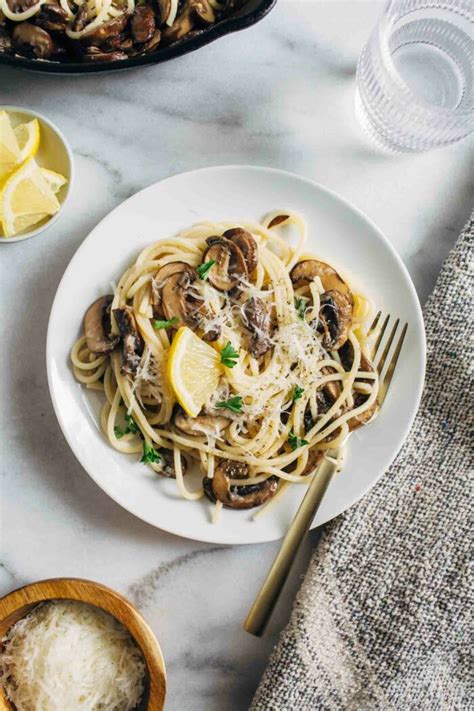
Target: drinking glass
(415, 75)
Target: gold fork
(262, 608)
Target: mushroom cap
(335, 318)
(161, 276)
(237, 496)
(304, 272)
(98, 328)
(203, 11)
(201, 425)
(247, 244)
(229, 267)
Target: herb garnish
(149, 453)
(295, 441)
(165, 324)
(297, 393)
(131, 427)
(234, 404)
(204, 269)
(229, 356)
(300, 306)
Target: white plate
(338, 233)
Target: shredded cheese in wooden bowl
(69, 655)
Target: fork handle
(262, 608)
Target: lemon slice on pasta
(27, 198)
(193, 370)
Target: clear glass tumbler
(415, 75)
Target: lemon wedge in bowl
(9, 148)
(26, 198)
(193, 370)
(28, 139)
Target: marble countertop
(278, 94)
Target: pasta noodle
(301, 380)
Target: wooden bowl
(20, 602)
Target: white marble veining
(278, 94)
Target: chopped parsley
(300, 306)
(295, 441)
(149, 453)
(204, 269)
(158, 324)
(234, 404)
(297, 393)
(229, 356)
(131, 427)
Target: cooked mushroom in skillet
(229, 267)
(127, 30)
(167, 463)
(256, 318)
(347, 358)
(237, 496)
(335, 318)
(247, 244)
(200, 425)
(98, 328)
(132, 343)
(32, 41)
(306, 271)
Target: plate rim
(335, 196)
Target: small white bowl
(53, 153)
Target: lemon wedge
(28, 139)
(9, 148)
(56, 180)
(193, 370)
(26, 198)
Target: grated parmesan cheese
(71, 656)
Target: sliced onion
(20, 16)
(172, 16)
(99, 20)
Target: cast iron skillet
(251, 12)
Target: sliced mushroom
(178, 302)
(98, 328)
(247, 244)
(5, 40)
(347, 358)
(304, 272)
(152, 43)
(335, 318)
(106, 31)
(167, 463)
(256, 318)
(32, 41)
(161, 277)
(96, 54)
(81, 18)
(229, 267)
(180, 27)
(52, 17)
(203, 11)
(200, 425)
(237, 496)
(143, 24)
(132, 343)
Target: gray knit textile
(383, 619)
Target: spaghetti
(294, 383)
